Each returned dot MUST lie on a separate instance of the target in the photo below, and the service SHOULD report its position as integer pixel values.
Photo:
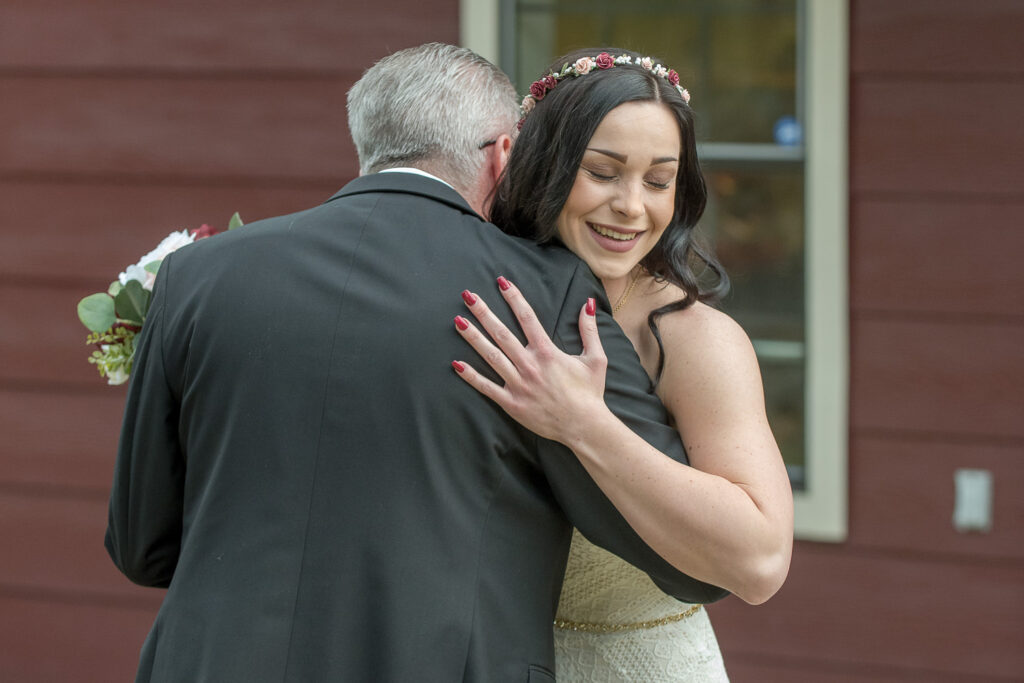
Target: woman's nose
(629, 200)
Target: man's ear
(497, 157)
(494, 166)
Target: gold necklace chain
(629, 290)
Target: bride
(606, 164)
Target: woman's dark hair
(546, 156)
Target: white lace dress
(615, 625)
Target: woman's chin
(610, 273)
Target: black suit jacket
(323, 498)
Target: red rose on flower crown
(114, 317)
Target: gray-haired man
(324, 499)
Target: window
(768, 79)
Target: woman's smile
(614, 239)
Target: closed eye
(598, 176)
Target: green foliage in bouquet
(114, 317)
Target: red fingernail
(461, 323)
(459, 367)
(503, 283)
(468, 297)
(591, 306)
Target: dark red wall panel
(930, 137)
(846, 610)
(56, 441)
(944, 39)
(275, 129)
(902, 496)
(85, 233)
(937, 256)
(251, 36)
(45, 640)
(950, 378)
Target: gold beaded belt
(589, 627)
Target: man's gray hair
(432, 107)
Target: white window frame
(822, 506)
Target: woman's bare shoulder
(704, 345)
(696, 323)
(701, 322)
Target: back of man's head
(431, 107)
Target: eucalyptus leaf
(96, 312)
(152, 266)
(114, 288)
(132, 303)
(235, 221)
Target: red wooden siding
(193, 36)
(937, 366)
(120, 122)
(277, 129)
(942, 38)
(960, 258)
(860, 609)
(59, 439)
(85, 231)
(46, 637)
(932, 137)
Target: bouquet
(114, 317)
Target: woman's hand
(546, 390)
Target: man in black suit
(299, 465)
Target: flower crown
(583, 66)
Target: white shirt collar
(417, 171)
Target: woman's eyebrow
(621, 158)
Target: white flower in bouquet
(139, 272)
(114, 317)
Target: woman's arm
(726, 520)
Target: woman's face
(624, 194)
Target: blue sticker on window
(788, 132)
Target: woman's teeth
(621, 236)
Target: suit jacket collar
(406, 183)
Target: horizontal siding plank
(759, 670)
(936, 37)
(41, 338)
(916, 256)
(965, 378)
(45, 642)
(89, 232)
(902, 497)
(842, 609)
(60, 548)
(178, 128)
(910, 137)
(250, 36)
(60, 440)
(743, 671)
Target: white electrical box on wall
(972, 510)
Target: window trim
(822, 507)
